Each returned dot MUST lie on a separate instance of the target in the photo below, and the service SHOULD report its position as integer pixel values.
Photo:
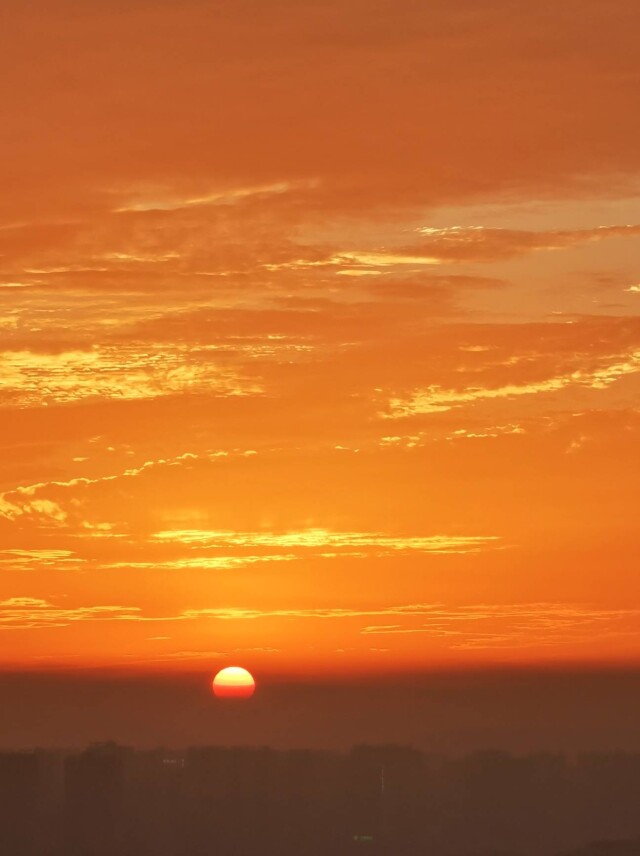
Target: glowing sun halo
(234, 682)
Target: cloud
(473, 627)
(35, 559)
(508, 625)
(26, 613)
(44, 510)
(457, 627)
(32, 500)
(454, 244)
(35, 379)
(320, 539)
(435, 399)
(241, 613)
(309, 543)
(390, 80)
(358, 261)
(166, 201)
(518, 625)
(208, 563)
(482, 244)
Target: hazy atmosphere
(319, 421)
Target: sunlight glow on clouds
(322, 538)
(20, 613)
(32, 379)
(214, 320)
(169, 202)
(435, 399)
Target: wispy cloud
(36, 379)
(46, 558)
(13, 506)
(208, 563)
(515, 625)
(481, 626)
(241, 613)
(166, 200)
(31, 500)
(321, 539)
(276, 547)
(22, 613)
(481, 244)
(450, 245)
(436, 399)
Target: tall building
(227, 798)
(386, 784)
(19, 802)
(95, 810)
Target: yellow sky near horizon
(319, 334)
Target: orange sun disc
(234, 682)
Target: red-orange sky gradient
(319, 335)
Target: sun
(233, 682)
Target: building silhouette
(95, 805)
(108, 800)
(30, 801)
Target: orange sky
(319, 335)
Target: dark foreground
(110, 800)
